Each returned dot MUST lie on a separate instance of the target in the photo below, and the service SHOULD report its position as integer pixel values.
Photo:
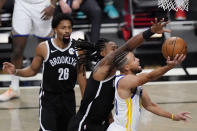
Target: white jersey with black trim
(127, 111)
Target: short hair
(59, 17)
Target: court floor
(22, 114)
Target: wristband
(147, 34)
(172, 116)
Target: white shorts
(27, 19)
(115, 127)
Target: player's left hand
(183, 116)
(158, 27)
(47, 12)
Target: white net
(173, 4)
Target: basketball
(173, 46)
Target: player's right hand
(178, 59)
(9, 68)
(47, 12)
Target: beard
(66, 41)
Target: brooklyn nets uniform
(127, 111)
(96, 106)
(57, 98)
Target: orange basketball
(173, 46)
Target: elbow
(150, 107)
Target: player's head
(62, 26)
(126, 62)
(105, 47)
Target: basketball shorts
(55, 111)
(27, 19)
(115, 127)
(76, 125)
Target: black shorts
(55, 112)
(75, 123)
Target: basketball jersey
(97, 102)
(127, 111)
(59, 69)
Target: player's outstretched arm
(157, 27)
(134, 42)
(154, 108)
(155, 74)
(30, 70)
(142, 78)
(107, 63)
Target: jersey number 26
(63, 73)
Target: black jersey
(97, 102)
(59, 69)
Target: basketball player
(60, 71)
(98, 98)
(130, 97)
(29, 17)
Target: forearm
(26, 72)
(82, 85)
(81, 79)
(155, 74)
(159, 111)
(137, 40)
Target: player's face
(109, 48)
(133, 63)
(64, 30)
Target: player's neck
(126, 73)
(60, 43)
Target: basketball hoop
(172, 4)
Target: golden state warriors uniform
(127, 111)
(27, 18)
(57, 98)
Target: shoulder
(42, 44)
(129, 81)
(41, 49)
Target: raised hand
(158, 27)
(9, 68)
(178, 59)
(183, 116)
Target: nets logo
(71, 51)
